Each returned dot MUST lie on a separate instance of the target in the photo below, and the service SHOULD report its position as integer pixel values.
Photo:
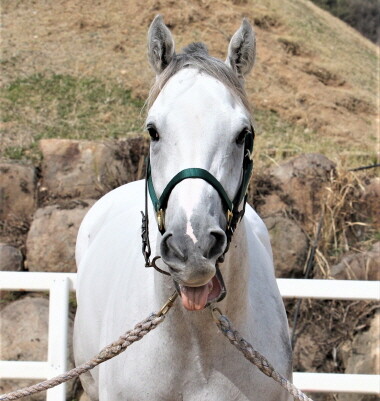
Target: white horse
(198, 119)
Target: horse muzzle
(193, 266)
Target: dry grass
(313, 89)
(346, 223)
(327, 328)
(331, 42)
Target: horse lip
(222, 290)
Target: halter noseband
(233, 215)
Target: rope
(108, 352)
(143, 328)
(226, 327)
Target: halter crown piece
(233, 215)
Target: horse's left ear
(160, 45)
(242, 50)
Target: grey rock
(24, 329)
(364, 358)
(289, 245)
(371, 198)
(359, 266)
(17, 192)
(133, 150)
(51, 239)
(272, 205)
(24, 337)
(80, 169)
(365, 353)
(297, 185)
(305, 352)
(10, 258)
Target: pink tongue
(195, 298)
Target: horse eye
(153, 133)
(241, 137)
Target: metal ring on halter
(153, 264)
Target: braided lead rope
(108, 352)
(226, 327)
(143, 328)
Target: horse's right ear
(160, 45)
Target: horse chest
(197, 369)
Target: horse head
(198, 120)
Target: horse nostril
(217, 244)
(170, 249)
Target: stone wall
(40, 213)
(42, 207)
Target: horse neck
(235, 272)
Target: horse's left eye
(241, 137)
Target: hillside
(363, 15)
(313, 89)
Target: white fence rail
(60, 284)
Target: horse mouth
(197, 298)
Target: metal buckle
(168, 304)
(161, 219)
(230, 215)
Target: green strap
(205, 175)
(152, 192)
(182, 175)
(244, 185)
(247, 170)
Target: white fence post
(58, 330)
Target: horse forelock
(196, 56)
(196, 48)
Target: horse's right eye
(153, 133)
(241, 137)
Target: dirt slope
(313, 71)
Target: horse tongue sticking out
(196, 298)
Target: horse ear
(160, 45)
(242, 50)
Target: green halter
(234, 215)
(232, 207)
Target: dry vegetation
(326, 329)
(313, 89)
